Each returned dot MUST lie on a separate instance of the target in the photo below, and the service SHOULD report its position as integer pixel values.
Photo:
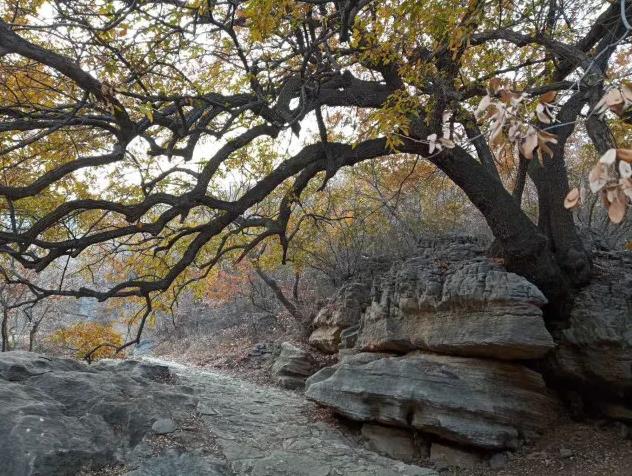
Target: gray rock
(343, 311)
(326, 339)
(349, 337)
(595, 351)
(163, 426)
(59, 416)
(292, 366)
(266, 431)
(174, 463)
(616, 411)
(498, 461)
(478, 402)
(452, 456)
(566, 453)
(623, 430)
(395, 443)
(17, 366)
(454, 301)
(144, 347)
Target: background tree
(170, 135)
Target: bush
(80, 341)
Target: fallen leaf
(447, 143)
(530, 143)
(482, 107)
(625, 155)
(609, 157)
(618, 208)
(548, 97)
(543, 114)
(572, 200)
(625, 170)
(544, 138)
(598, 177)
(626, 187)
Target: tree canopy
(171, 134)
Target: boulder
(292, 366)
(595, 350)
(452, 300)
(59, 416)
(326, 339)
(164, 426)
(343, 311)
(17, 366)
(478, 402)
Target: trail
(263, 431)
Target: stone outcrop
(450, 299)
(342, 312)
(460, 326)
(478, 402)
(595, 351)
(292, 366)
(59, 416)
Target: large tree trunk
(545, 256)
(557, 224)
(4, 326)
(32, 334)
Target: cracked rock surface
(61, 417)
(263, 431)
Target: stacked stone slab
(441, 349)
(341, 313)
(594, 353)
(292, 366)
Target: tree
(84, 340)
(177, 133)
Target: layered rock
(59, 416)
(479, 402)
(395, 443)
(595, 351)
(342, 312)
(292, 366)
(452, 300)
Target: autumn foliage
(81, 339)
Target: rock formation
(342, 312)
(478, 402)
(60, 416)
(442, 346)
(440, 349)
(292, 366)
(594, 352)
(452, 300)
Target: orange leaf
(548, 97)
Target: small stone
(498, 461)
(162, 426)
(622, 430)
(566, 453)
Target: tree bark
(5, 331)
(32, 334)
(278, 292)
(526, 248)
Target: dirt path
(261, 431)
